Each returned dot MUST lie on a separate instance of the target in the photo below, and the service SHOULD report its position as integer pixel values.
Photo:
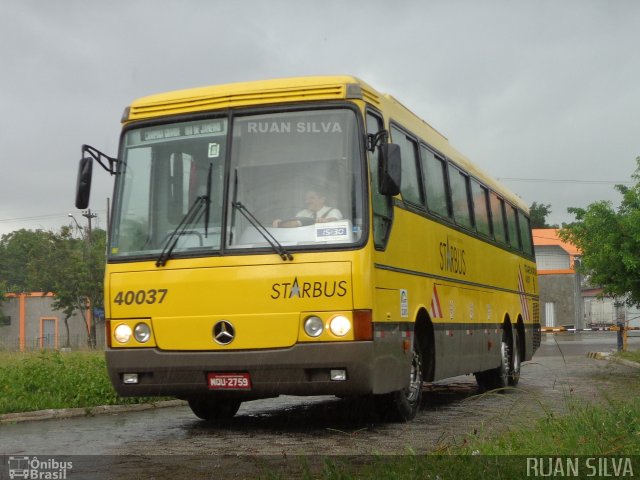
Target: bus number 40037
(140, 297)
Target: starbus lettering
(316, 289)
(299, 127)
(452, 258)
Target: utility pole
(87, 256)
(88, 215)
(92, 326)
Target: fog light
(142, 332)
(122, 333)
(340, 325)
(130, 378)
(313, 326)
(338, 375)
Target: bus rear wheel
(514, 376)
(212, 409)
(403, 405)
(497, 377)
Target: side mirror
(389, 169)
(83, 185)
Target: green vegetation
(586, 431)
(538, 212)
(39, 381)
(633, 355)
(609, 240)
(70, 267)
(609, 429)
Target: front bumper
(300, 370)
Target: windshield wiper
(271, 240)
(192, 216)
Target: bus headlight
(340, 325)
(142, 332)
(313, 326)
(122, 333)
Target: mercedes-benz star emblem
(223, 332)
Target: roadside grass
(633, 355)
(612, 428)
(50, 379)
(605, 431)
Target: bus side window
(435, 183)
(380, 204)
(411, 188)
(512, 223)
(525, 233)
(460, 197)
(481, 207)
(497, 218)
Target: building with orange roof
(560, 283)
(28, 321)
(564, 298)
(554, 255)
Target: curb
(626, 362)
(85, 412)
(612, 358)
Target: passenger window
(497, 218)
(525, 233)
(512, 223)
(435, 182)
(480, 207)
(460, 197)
(411, 189)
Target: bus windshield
(297, 173)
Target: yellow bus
(306, 236)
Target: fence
(76, 342)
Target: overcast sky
(541, 94)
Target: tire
(214, 409)
(403, 405)
(516, 359)
(498, 378)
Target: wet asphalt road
(285, 426)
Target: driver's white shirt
(324, 212)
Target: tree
(16, 249)
(609, 240)
(538, 213)
(69, 267)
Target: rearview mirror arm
(105, 161)
(373, 139)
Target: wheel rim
(415, 379)
(504, 364)
(516, 360)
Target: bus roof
(302, 89)
(242, 94)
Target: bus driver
(316, 212)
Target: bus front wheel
(403, 405)
(212, 409)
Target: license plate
(229, 381)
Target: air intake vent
(219, 100)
